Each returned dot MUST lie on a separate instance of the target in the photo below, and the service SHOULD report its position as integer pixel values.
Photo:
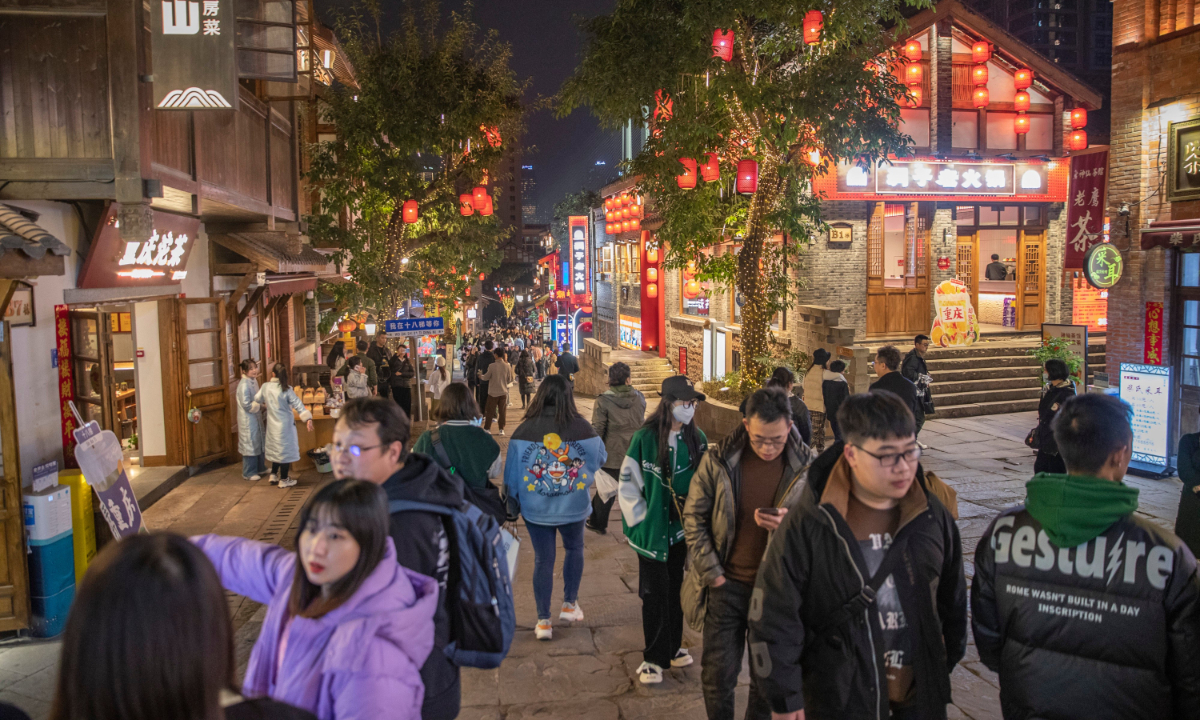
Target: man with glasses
(738, 496)
(370, 442)
(860, 609)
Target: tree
(436, 107)
(778, 101)
(580, 203)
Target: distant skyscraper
(529, 204)
(601, 173)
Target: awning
(276, 251)
(25, 236)
(1182, 234)
(278, 285)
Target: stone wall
(684, 331)
(592, 378)
(829, 277)
(717, 420)
(813, 326)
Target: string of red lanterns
(1022, 79)
(981, 52)
(623, 213)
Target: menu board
(1147, 389)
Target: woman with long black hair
(282, 445)
(655, 479)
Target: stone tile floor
(588, 671)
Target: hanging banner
(66, 383)
(102, 462)
(1085, 206)
(1152, 354)
(956, 322)
(195, 59)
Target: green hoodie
(1073, 509)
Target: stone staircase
(993, 376)
(647, 375)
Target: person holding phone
(738, 497)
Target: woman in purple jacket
(347, 628)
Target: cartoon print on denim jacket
(553, 471)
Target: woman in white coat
(250, 426)
(437, 381)
(282, 443)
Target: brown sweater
(760, 485)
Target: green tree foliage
(436, 107)
(775, 102)
(579, 203)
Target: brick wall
(838, 278)
(285, 332)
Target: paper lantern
(635, 224)
(711, 170)
(1079, 140)
(722, 44)
(1021, 124)
(425, 292)
(1078, 118)
(608, 202)
(468, 292)
(687, 180)
(811, 155)
(814, 23)
(981, 52)
(979, 74)
(747, 177)
(652, 255)
(347, 325)
(410, 212)
(479, 194)
(1023, 78)
(652, 274)
(912, 51)
(913, 74)
(430, 283)
(914, 96)
(652, 290)
(980, 97)
(466, 204)
(608, 229)
(663, 106)
(624, 226)
(1021, 101)
(691, 289)
(487, 206)
(481, 276)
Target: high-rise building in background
(529, 203)
(509, 209)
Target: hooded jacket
(834, 391)
(814, 570)
(282, 444)
(357, 662)
(1086, 610)
(710, 514)
(250, 424)
(549, 468)
(616, 416)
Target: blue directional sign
(414, 327)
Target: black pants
(602, 510)
(659, 584)
(281, 469)
(403, 398)
(385, 390)
(725, 629)
(481, 395)
(837, 431)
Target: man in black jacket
(378, 353)
(482, 363)
(370, 442)
(567, 364)
(1084, 609)
(916, 370)
(887, 366)
(860, 607)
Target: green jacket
(472, 452)
(372, 375)
(645, 502)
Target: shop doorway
(202, 372)
(898, 268)
(102, 352)
(1001, 257)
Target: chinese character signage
(102, 462)
(630, 333)
(66, 382)
(931, 179)
(195, 62)
(1147, 389)
(160, 260)
(1085, 206)
(956, 323)
(580, 255)
(1183, 161)
(414, 327)
(1089, 306)
(1153, 344)
(1103, 265)
(1076, 337)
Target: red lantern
(979, 74)
(814, 23)
(980, 97)
(478, 195)
(430, 283)
(652, 290)
(468, 292)
(1021, 124)
(409, 211)
(487, 206)
(747, 177)
(913, 74)
(1079, 140)
(609, 229)
(608, 203)
(481, 276)
(1023, 78)
(425, 292)
(635, 224)
(687, 180)
(981, 52)
(652, 255)
(625, 226)
(914, 94)
(811, 155)
(663, 106)
(912, 51)
(1021, 101)
(652, 274)
(347, 325)
(465, 205)
(711, 170)
(1078, 118)
(722, 44)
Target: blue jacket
(549, 469)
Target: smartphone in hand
(771, 511)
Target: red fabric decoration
(687, 180)
(747, 177)
(722, 44)
(814, 23)
(409, 211)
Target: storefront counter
(320, 436)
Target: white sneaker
(649, 674)
(273, 479)
(571, 612)
(682, 658)
(287, 482)
(254, 478)
(501, 432)
(544, 630)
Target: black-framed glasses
(887, 460)
(355, 450)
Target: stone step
(1008, 383)
(985, 408)
(954, 364)
(985, 395)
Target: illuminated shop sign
(940, 179)
(580, 255)
(160, 260)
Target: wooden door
(201, 324)
(14, 576)
(904, 309)
(877, 313)
(1031, 280)
(91, 358)
(965, 270)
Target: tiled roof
(275, 251)
(17, 234)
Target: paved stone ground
(588, 671)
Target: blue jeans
(253, 465)
(544, 546)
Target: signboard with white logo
(160, 260)
(581, 265)
(195, 60)
(931, 179)
(1147, 389)
(414, 327)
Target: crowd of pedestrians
(840, 573)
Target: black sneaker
(598, 530)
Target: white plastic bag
(606, 485)
(511, 547)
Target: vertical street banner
(1152, 354)
(102, 462)
(195, 58)
(66, 383)
(580, 254)
(1085, 206)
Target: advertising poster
(630, 333)
(1147, 389)
(956, 323)
(99, 455)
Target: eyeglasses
(686, 403)
(768, 443)
(355, 450)
(909, 456)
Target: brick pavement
(588, 671)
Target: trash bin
(51, 559)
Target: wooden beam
(59, 169)
(243, 285)
(275, 302)
(38, 190)
(234, 268)
(19, 265)
(250, 303)
(91, 8)
(124, 24)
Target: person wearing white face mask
(655, 478)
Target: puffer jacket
(1106, 626)
(617, 415)
(710, 514)
(814, 571)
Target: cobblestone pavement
(588, 671)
